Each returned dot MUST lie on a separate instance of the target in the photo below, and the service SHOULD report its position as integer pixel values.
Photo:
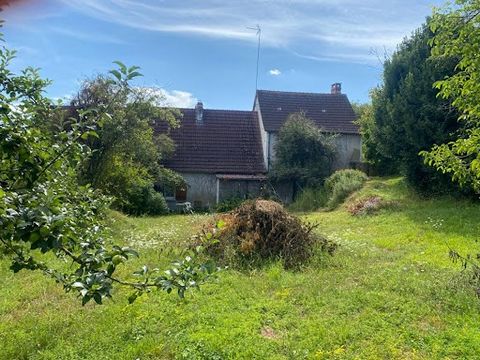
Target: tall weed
(310, 199)
(341, 184)
(336, 189)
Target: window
(168, 192)
(181, 193)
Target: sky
(207, 50)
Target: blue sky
(192, 49)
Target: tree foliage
(126, 155)
(303, 153)
(457, 34)
(406, 115)
(371, 137)
(50, 223)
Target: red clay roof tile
(331, 112)
(225, 142)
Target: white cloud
(173, 98)
(333, 29)
(177, 98)
(274, 72)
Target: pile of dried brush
(260, 230)
(369, 205)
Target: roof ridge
(223, 110)
(298, 92)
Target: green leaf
(133, 68)
(98, 298)
(134, 75)
(130, 251)
(220, 224)
(78, 285)
(34, 236)
(122, 66)
(85, 299)
(133, 297)
(117, 74)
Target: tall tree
(457, 34)
(46, 214)
(407, 115)
(371, 137)
(126, 156)
(303, 153)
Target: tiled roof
(241, 177)
(331, 112)
(225, 142)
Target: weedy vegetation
(389, 291)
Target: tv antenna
(259, 34)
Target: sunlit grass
(390, 292)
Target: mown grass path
(390, 292)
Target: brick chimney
(336, 88)
(199, 112)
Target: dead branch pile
(259, 230)
(369, 205)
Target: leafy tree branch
(49, 222)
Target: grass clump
(335, 190)
(262, 230)
(341, 184)
(310, 199)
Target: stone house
(219, 154)
(224, 153)
(332, 113)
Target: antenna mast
(259, 34)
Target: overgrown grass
(336, 189)
(341, 184)
(310, 199)
(390, 292)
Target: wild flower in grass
(437, 224)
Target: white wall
(263, 133)
(348, 149)
(272, 140)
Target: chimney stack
(336, 88)
(199, 112)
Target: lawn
(389, 292)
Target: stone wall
(243, 189)
(201, 189)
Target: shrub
(46, 214)
(341, 184)
(132, 188)
(304, 154)
(261, 230)
(228, 204)
(310, 199)
(126, 151)
(144, 200)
